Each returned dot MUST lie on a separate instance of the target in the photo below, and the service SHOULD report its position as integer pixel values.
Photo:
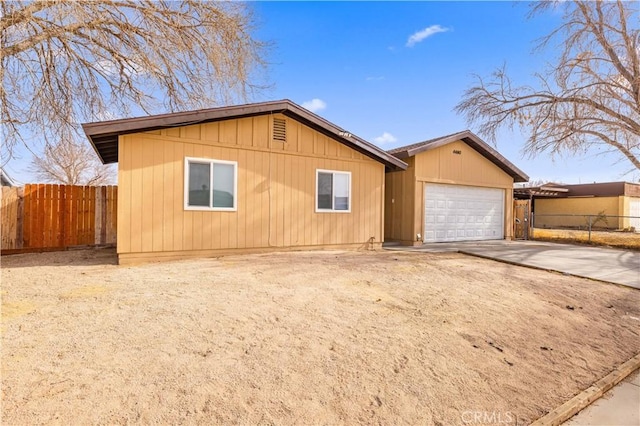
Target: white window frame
(212, 163)
(332, 209)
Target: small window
(333, 191)
(210, 184)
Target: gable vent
(279, 129)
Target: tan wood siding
(548, 211)
(441, 165)
(400, 199)
(275, 195)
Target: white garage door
(463, 213)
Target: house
(557, 205)
(245, 178)
(456, 188)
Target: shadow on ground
(85, 257)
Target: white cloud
(314, 105)
(427, 32)
(385, 138)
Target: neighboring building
(456, 188)
(565, 206)
(244, 178)
(5, 180)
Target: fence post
(20, 219)
(590, 228)
(530, 229)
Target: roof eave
(137, 124)
(104, 134)
(320, 124)
(401, 155)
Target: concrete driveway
(604, 264)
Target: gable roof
(470, 139)
(103, 135)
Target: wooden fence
(43, 216)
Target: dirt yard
(302, 338)
(630, 240)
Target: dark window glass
(325, 190)
(199, 179)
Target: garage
(462, 213)
(455, 188)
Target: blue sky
(354, 64)
(356, 58)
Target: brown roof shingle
(420, 144)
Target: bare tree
(71, 162)
(588, 100)
(64, 62)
